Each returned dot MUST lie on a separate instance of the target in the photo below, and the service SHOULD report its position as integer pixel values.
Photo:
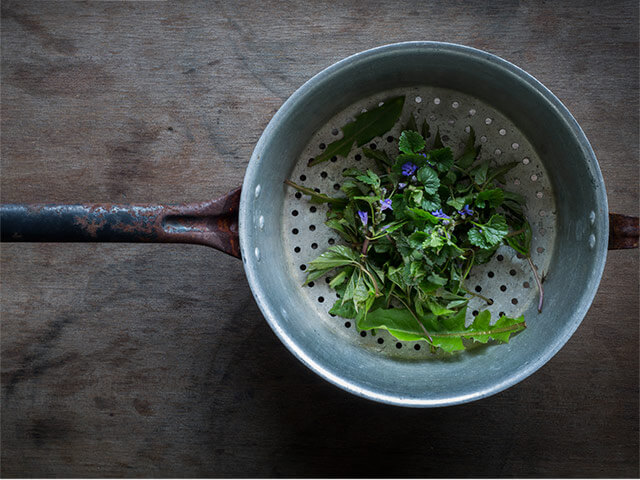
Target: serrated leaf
(410, 141)
(336, 256)
(521, 243)
(429, 179)
(493, 197)
(441, 158)
(430, 202)
(364, 128)
(479, 173)
(344, 309)
(495, 229)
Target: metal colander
(507, 279)
(515, 119)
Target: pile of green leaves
(412, 231)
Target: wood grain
(153, 360)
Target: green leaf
(370, 178)
(318, 197)
(397, 320)
(437, 141)
(493, 197)
(411, 123)
(489, 234)
(410, 142)
(442, 158)
(521, 243)
(378, 155)
(430, 202)
(339, 278)
(436, 308)
(336, 256)
(429, 178)
(470, 152)
(363, 129)
(499, 172)
(344, 309)
(425, 131)
(479, 173)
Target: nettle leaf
(482, 331)
(430, 202)
(370, 178)
(479, 173)
(442, 158)
(493, 198)
(470, 152)
(489, 234)
(410, 141)
(336, 256)
(363, 129)
(429, 178)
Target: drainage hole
(331, 241)
(503, 288)
(478, 288)
(314, 245)
(334, 159)
(347, 324)
(416, 347)
(295, 231)
(514, 301)
(303, 267)
(322, 146)
(312, 227)
(389, 139)
(475, 313)
(499, 258)
(358, 157)
(398, 345)
(303, 178)
(336, 186)
(297, 249)
(512, 272)
(363, 334)
(298, 195)
(490, 274)
(320, 299)
(294, 213)
(324, 174)
(373, 146)
(380, 340)
(313, 209)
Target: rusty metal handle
(623, 231)
(213, 223)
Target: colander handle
(213, 223)
(623, 231)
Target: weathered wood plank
(141, 360)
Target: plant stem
(488, 300)
(416, 318)
(365, 246)
(517, 232)
(538, 282)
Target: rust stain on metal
(623, 231)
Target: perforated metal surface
(507, 279)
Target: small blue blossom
(466, 211)
(385, 204)
(443, 216)
(364, 217)
(409, 169)
(401, 185)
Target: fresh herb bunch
(412, 233)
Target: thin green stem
(416, 318)
(488, 300)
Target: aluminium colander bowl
(454, 88)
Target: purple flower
(384, 204)
(440, 214)
(466, 211)
(364, 217)
(401, 185)
(409, 169)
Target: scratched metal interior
(506, 279)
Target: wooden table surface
(154, 360)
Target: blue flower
(384, 204)
(466, 211)
(409, 169)
(364, 217)
(440, 214)
(401, 185)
